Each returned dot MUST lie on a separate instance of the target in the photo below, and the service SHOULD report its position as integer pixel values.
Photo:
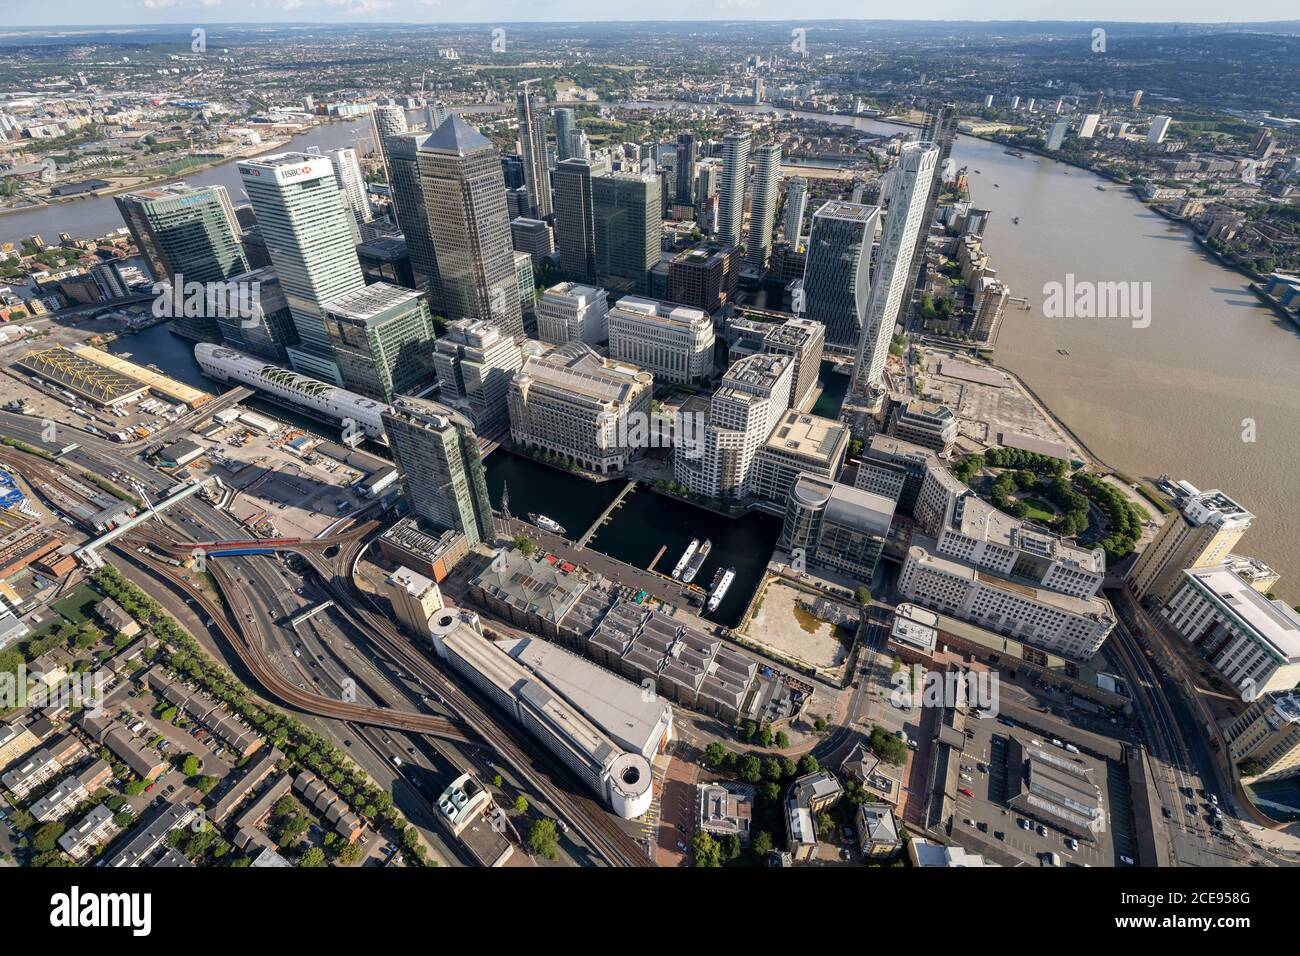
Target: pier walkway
(604, 515)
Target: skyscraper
(382, 337)
(563, 117)
(1201, 534)
(575, 226)
(347, 173)
(438, 454)
(388, 121)
(512, 169)
(907, 195)
(1057, 134)
(308, 235)
(435, 114)
(629, 227)
(762, 207)
(685, 168)
(796, 204)
(187, 232)
(1159, 128)
(412, 215)
(731, 188)
(939, 128)
(837, 272)
(465, 199)
(532, 144)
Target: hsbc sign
(293, 172)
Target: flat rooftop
(976, 518)
(614, 704)
(1274, 622)
(850, 211)
(372, 302)
(809, 436)
(923, 550)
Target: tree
(497, 781)
(191, 765)
(819, 724)
(762, 844)
(47, 836)
(750, 769)
(782, 739)
(887, 746)
(314, 856)
(808, 764)
(825, 825)
(706, 849)
(349, 855)
(765, 736)
(863, 594)
(543, 839)
(521, 804)
(715, 755)
(524, 544)
(731, 847)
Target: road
(1184, 766)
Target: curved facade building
(595, 723)
(317, 398)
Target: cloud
(159, 4)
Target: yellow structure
(156, 382)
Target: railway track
(587, 817)
(280, 686)
(591, 819)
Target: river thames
(1173, 398)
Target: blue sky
(74, 12)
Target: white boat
(686, 557)
(697, 562)
(721, 581)
(546, 524)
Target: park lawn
(1038, 510)
(79, 606)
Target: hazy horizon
(154, 13)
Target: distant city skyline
(179, 12)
